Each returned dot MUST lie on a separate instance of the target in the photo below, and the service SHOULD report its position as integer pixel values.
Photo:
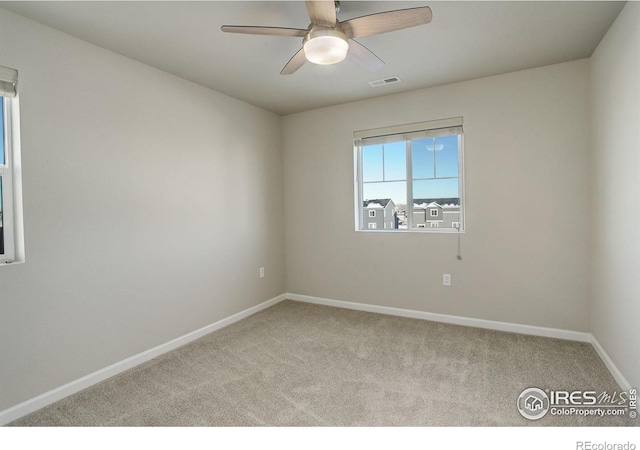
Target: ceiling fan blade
(294, 63)
(386, 21)
(364, 57)
(269, 31)
(322, 12)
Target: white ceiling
(465, 40)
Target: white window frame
(372, 226)
(432, 211)
(396, 134)
(10, 172)
(372, 213)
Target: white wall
(526, 249)
(150, 203)
(615, 205)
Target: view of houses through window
(7, 207)
(411, 180)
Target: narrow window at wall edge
(414, 174)
(11, 236)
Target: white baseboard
(455, 320)
(34, 404)
(478, 323)
(615, 372)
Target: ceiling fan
(329, 41)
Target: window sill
(419, 231)
(12, 263)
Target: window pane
(395, 190)
(395, 161)
(434, 190)
(372, 163)
(2, 158)
(384, 205)
(422, 158)
(447, 156)
(436, 204)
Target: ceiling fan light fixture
(328, 40)
(325, 46)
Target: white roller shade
(8, 81)
(419, 130)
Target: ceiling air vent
(384, 81)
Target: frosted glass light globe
(326, 49)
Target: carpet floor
(299, 364)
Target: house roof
(425, 205)
(376, 203)
(439, 203)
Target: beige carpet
(298, 364)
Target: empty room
(320, 214)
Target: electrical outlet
(261, 272)
(446, 279)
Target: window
(372, 213)
(373, 226)
(10, 203)
(417, 166)
(435, 225)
